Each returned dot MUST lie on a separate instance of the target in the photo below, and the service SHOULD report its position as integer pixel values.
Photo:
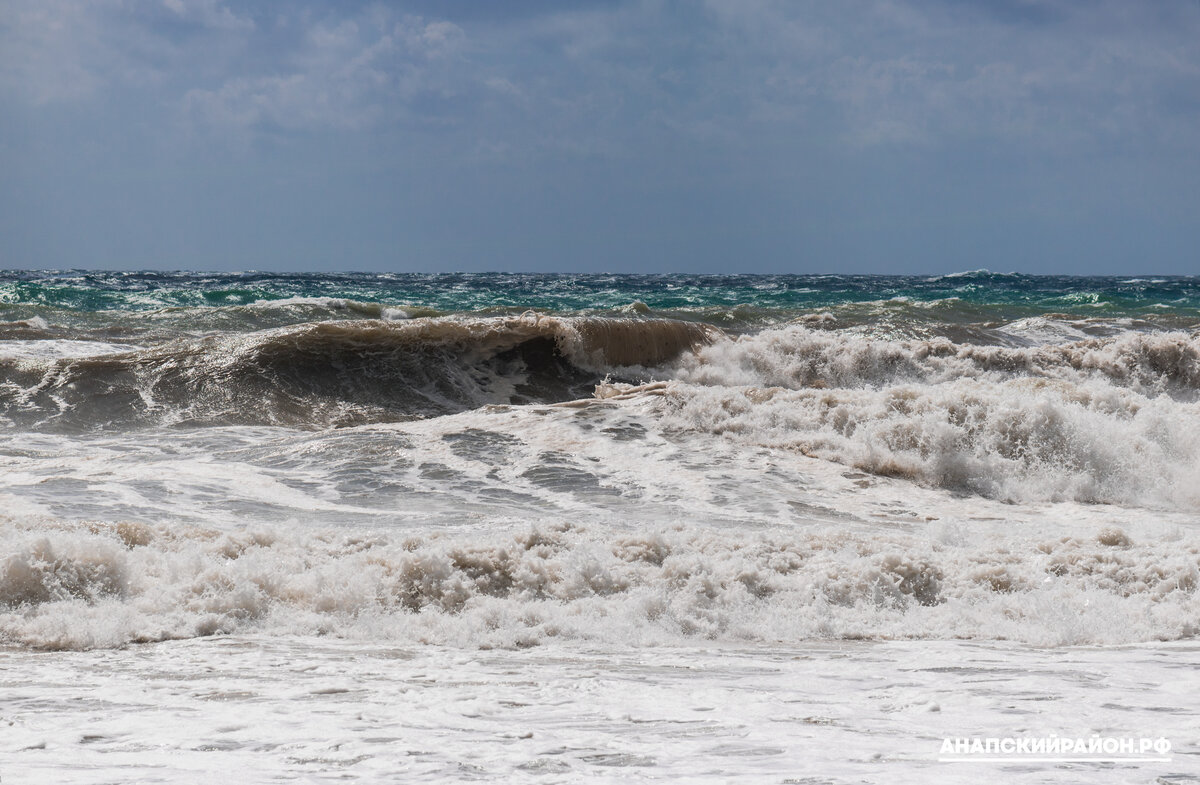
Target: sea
(533, 528)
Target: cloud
(51, 51)
(607, 75)
(65, 51)
(210, 14)
(347, 74)
(1050, 74)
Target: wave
(33, 328)
(982, 274)
(266, 313)
(798, 357)
(1104, 419)
(341, 373)
(1019, 440)
(166, 321)
(68, 586)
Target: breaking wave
(798, 357)
(340, 373)
(1102, 420)
(1020, 440)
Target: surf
(340, 373)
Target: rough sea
(591, 528)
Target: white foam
(59, 349)
(86, 586)
(354, 308)
(268, 709)
(1040, 330)
(32, 323)
(1023, 440)
(796, 356)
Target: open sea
(593, 528)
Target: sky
(720, 136)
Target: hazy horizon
(1138, 276)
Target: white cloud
(617, 77)
(210, 14)
(51, 50)
(61, 51)
(1051, 75)
(344, 74)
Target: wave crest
(342, 373)
(798, 357)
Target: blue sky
(706, 136)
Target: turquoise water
(750, 300)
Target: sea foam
(76, 586)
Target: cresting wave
(340, 373)
(76, 587)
